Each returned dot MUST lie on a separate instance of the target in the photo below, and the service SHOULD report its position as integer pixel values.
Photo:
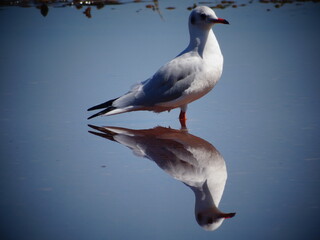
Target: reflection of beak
(219, 20)
(227, 215)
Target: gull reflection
(185, 157)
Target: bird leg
(183, 119)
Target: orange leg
(183, 119)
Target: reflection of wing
(185, 157)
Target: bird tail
(107, 108)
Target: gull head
(211, 219)
(204, 17)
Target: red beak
(220, 20)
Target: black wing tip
(96, 107)
(107, 105)
(108, 109)
(102, 132)
(97, 114)
(103, 105)
(93, 116)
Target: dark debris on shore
(44, 5)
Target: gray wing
(170, 81)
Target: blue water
(57, 181)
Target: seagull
(186, 78)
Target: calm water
(259, 126)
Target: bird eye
(203, 16)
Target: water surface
(60, 182)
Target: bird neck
(204, 42)
(205, 198)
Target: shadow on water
(185, 157)
(43, 5)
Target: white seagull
(189, 76)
